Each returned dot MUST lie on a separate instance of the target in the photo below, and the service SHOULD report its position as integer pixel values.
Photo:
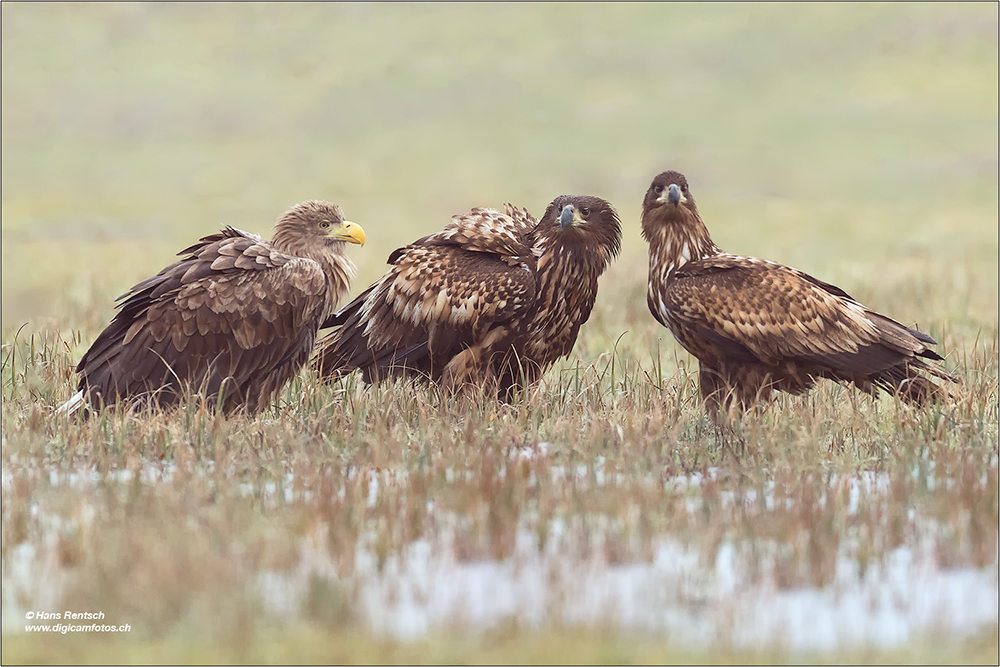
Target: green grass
(855, 142)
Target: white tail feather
(72, 405)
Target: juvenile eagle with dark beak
(494, 298)
(757, 327)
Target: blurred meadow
(857, 142)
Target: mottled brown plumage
(237, 316)
(757, 326)
(494, 297)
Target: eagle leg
(467, 365)
(714, 391)
(743, 385)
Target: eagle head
(590, 221)
(668, 189)
(317, 221)
(671, 224)
(668, 201)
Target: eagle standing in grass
(757, 326)
(494, 298)
(232, 321)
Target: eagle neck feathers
(567, 274)
(338, 269)
(676, 237)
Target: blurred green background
(843, 139)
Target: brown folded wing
(744, 308)
(233, 316)
(442, 294)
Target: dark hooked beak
(566, 218)
(674, 194)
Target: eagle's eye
(584, 211)
(325, 224)
(684, 188)
(658, 189)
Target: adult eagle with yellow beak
(232, 321)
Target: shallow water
(733, 600)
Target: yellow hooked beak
(348, 231)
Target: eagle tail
(336, 320)
(906, 381)
(348, 349)
(398, 362)
(73, 404)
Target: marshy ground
(600, 518)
